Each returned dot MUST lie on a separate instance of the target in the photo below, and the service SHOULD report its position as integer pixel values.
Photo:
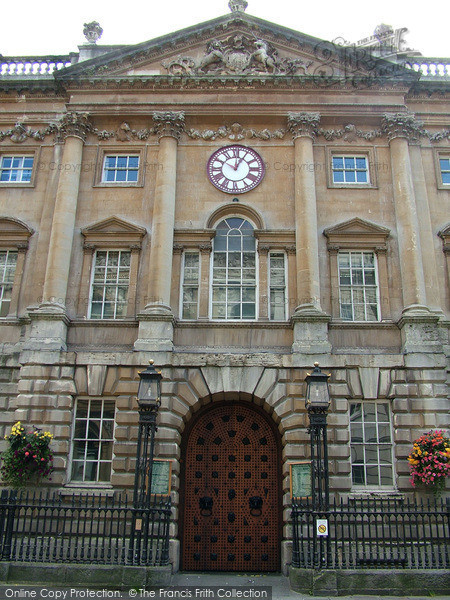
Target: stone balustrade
(33, 65)
(430, 67)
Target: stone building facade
(235, 201)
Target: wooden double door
(230, 505)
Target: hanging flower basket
(429, 461)
(28, 459)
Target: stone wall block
(343, 468)
(10, 388)
(339, 405)
(166, 450)
(80, 379)
(294, 452)
(121, 433)
(58, 416)
(167, 434)
(294, 421)
(405, 389)
(277, 395)
(124, 449)
(61, 432)
(342, 435)
(21, 415)
(127, 417)
(296, 436)
(297, 389)
(119, 464)
(338, 419)
(177, 406)
(384, 383)
(430, 404)
(401, 405)
(287, 407)
(111, 380)
(440, 389)
(407, 420)
(65, 402)
(67, 372)
(62, 386)
(369, 382)
(351, 376)
(338, 451)
(169, 419)
(121, 480)
(267, 382)
(198, 383)
(25, 386)
(126, 388)
(186, 395)
(339, 389)
(38, 372)
(96, 377)
(398, 376)
(123, 403)
(60, 446)
(340, 482)
(35, 401)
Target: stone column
(49, 321)
(402, 128)
(156, 320)
(310, 322)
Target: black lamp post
(317, 404)
(149, 400)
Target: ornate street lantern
(317, 402)
(149, 401)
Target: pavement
(253, 585)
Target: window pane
(94, 422)
(234, 265)
(370, 424)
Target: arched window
(234, 271)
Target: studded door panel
(231, 515)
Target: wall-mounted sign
(161, 476)
(300, 479)
(322, 527)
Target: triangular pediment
(232, 45)
(113, 231)
(356, 231)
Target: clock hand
(238, 162)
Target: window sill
(92, 488)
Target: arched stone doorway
(230, 506)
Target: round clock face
(235, 169)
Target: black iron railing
(372, 533)
(83, 528)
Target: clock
(235, 169)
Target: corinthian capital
(403, 125)
(169, 123)
(76, 124)
(304, 124)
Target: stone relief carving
(235, 132)
(304, 124)
(92, 32)
(76, 124)
(298, 124)
(237, 55)
(402, 125)
(20, 133)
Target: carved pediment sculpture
(237, 55)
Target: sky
(56, 26)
